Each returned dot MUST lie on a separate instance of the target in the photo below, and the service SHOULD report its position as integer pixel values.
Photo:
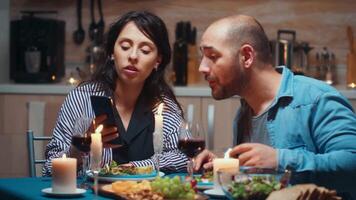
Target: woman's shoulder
(170, 105)
(88, 88)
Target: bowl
(251, 183)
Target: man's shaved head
(242, 29)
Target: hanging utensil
(351, 39)
(79, 34)
(101, 24)
(92, 26)
(351, 60)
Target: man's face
(220, 65)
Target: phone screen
(104, 105)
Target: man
(285, 120)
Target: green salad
(115, 169)
(254, 188)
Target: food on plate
(255, 188)
(206, 177)
(305, 192)
(114, 169)
(160, 188)
(173, 188)
(135, 190)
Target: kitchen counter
(60, 89)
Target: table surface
(30, 188)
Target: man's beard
(235, 87)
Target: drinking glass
(191, 142)
(158, 148)
(81, 141)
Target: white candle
(158, 132)
(64, 175)
(96, 148)
(224, 163)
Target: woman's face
(135, 55)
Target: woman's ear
(159, 59)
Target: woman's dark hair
(153, 27)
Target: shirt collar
(286, 85)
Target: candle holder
(96, 149)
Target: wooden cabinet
(14, 121)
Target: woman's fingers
(109, 130)
(113, 146)
(108, 138)
(100, 119)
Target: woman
(137, 53)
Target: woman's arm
(171, 159)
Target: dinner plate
(107, 191)
(215, 193)
(205, 185)
(49, 192)
(140, 177)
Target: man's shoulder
(308, 90)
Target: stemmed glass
(158, 148)
(191, 143)
(81, 141)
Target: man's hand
(205, 158)
(108, 133)
(255, 155)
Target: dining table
(30, 188)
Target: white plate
(78, 191)
(214, 192)
(126, 177)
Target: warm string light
(352, 85)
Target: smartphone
(104, 105)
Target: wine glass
(81, 142)
(158, 148)
(191, 142)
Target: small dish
(113, 178)
(49, 192)
(215, 193)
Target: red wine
(81, 143)
(191, 147)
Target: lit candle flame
(160, 109)
(99, 129)
(227, 153)
(352, 85)
(64, 156)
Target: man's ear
(247, 55)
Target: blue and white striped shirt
(77, 104)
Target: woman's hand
(108, 133)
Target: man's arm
(333, 129)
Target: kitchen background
(320, 23)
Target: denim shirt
(313, 128)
